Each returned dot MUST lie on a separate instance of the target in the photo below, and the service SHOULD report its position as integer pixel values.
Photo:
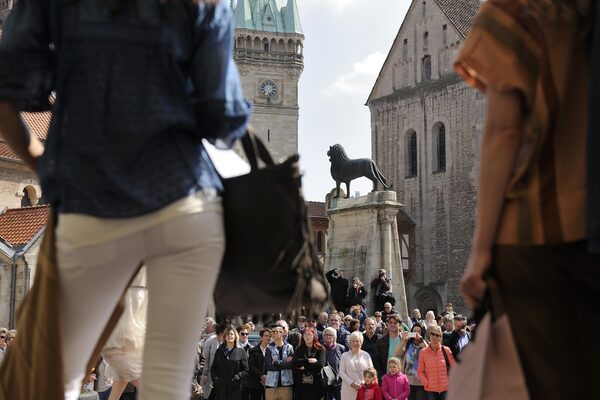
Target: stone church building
(426, 126)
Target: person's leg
(182, 264)
(270, 393)
(287, 393)
(104, 395)
(117, 390)
(92, 280)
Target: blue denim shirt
(277, 366)
(136, 91)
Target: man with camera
(339, 288)
(381, 289)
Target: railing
(268, 56)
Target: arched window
(426, 68)
(26, 200)
(248, 42)
(265, 44)
(290, 46)
(273, 45)
(410, 141)
(257, 43)
(439, 147)
(320, 242)
(425, 41)
(299, 47)
(445, 34)
(405, 50)
(281, 46)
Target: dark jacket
(256, 366)
(339, 290)
(333, 356)
(369, 344)
(356, 296)
(382, 347)
(309, 385)
(228, 369)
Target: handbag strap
(255, 149)
(446, 359)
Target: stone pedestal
(362, 238)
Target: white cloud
(337, 6)
(360, 80)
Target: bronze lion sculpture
(345, 170)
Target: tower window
(424, 10)
(439, 151)
(26, 200)
(425, 41)
(426, 68)
(411, 154)
(405, 50)
(444, 34)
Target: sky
(346, 42)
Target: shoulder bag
(270, 263)
(489, 366)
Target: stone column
(363, 237)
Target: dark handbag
(270, 263)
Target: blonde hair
(394, 360)
(356, 335)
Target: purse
(328, 377)
(489, 367)
(270, 263)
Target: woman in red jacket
(435, 362)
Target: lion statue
(345, 170)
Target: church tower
(268, 52)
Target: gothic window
(405, 50)
(426, 68)
(439, 150)
(281, 45)
(290, 46)
(265, 44)
(425, 41)
(273, 45)
(248, 42)
(411, 154)
(444, 34)
(26, 200)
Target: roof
(461, 13)
(316, 209)
(18, 226)
(267, 16)
(37, 123)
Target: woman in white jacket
(352, 365)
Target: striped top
(510, 49)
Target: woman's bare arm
(499, 147)
(16, 134)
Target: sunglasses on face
(243, 334)
(2, 337)
(435, 334)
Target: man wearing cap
(385, 347)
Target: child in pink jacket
(395, 384)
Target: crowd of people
(339, 355)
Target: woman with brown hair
(309, 360)
(531, 58)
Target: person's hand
(472, 285)
(355, 385)
(312, 360)
(404, 335)
(289, 359)
(417, 336)
(263, 380)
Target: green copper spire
(266, 15)
(243, 15)
(291, 17)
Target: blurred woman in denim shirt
(134, 86)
